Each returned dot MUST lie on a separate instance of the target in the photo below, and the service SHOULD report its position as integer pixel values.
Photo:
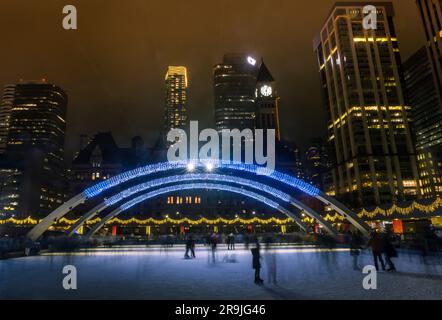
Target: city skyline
(153, 137)
(126, 81)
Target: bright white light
(190, 167)
(251, 61)
(209, 166)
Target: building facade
(316, 163)
(234, 92)
(368, 117)
(267, 102)
(33, 164)
(431, 15)
(176, 98)
(427, 120)
(101, 158)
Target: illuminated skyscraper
(368, 117)
(427, 120)
(176, 98)
(234, 89)
(5, 114)
(33, 168)
(423, 72)
(431, 15)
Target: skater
(231, 242)
(256, 263)
(270, 258)
(355, 247)
(246, 241)
(214, 243)
(376, 245)
(389, 252)
(190, 246)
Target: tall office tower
(368, 118)
(5, 113)
(427, 120)
(34, 153)
(266, 104)
(424, 79)
(176, 98)
(234, 90)
(431, 15)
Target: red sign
(398, 226)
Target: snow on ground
(154, 273)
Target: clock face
(266, 90)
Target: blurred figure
(190, 246)
(355, 247)
(213, 244)
(389, 252)
(231, 242)
(256, 263)
(246, 241)
(375, 242)
(208, 240)
(270, 258)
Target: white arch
(203, 177)
(192, 186)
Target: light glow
(251, 61)
(190, 167)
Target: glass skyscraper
(431, 14)
(368, 117)
(234, 90)
(32, 166)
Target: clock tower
(266, 102)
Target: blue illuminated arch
(210, 186)
(203, 177)
(217, 164)
(99, 188)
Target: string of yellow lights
(394, 209)
(134, 220)
(415, 206)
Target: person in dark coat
(355, 247)
(256, 263)
(389, 252)
(190, 246)
(376, 244)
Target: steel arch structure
(273, 192)
(165, 167)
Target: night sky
(113, 66)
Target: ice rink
(138, 272)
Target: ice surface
(154, 273)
